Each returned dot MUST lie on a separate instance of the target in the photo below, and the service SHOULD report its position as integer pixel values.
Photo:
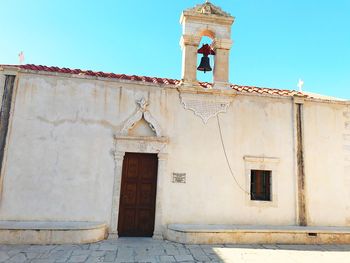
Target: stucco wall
(252, 126)
(52, 172)
(60, 164)
(327, 176)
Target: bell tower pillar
(206, 20)
(221, 68)
(189, 45)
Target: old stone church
(89, 154)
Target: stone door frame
(139, 144)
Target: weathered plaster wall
(326, 168)
(252, 126)
(2, 84)
(52, 172)
(60, 164)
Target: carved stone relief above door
(142, 115)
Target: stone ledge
(51, 232)
(244, 234)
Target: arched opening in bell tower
(202, 74)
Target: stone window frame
(139, 144)
(262, 163)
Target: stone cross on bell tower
(206, 20)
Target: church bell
(205, 64)
(206, 50)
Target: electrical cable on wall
(228, 163)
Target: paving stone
(156, 251)
(181, 258)
(3, 256)
(18, 258)
(60, 253)
(212, 246)
(171, 251)
(41, 248)
(344, 247)
(108, 247)
(78, 259)
(13, 252)
(14, 249)
(149, 250)
(31, 255)
(238, 246)
(313, 247)
(61, 256)
(215, 258)
(193, 246)
(110, 256)
(97, 253)
(167, 259)
(257, 246)
(41, 260)
(268, 246)
(145, 259)
(184, 251)
(94, 260)
(94, 246)
(330, 247)
(209, 251)
(199, 254)
(85, 246)
(300, 247)
(125, 255)
(66, 247)
(81, 252)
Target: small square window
(260, 185)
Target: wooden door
(138, 195)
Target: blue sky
(275, 42)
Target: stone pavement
(149, 250)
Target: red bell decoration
(206, 50)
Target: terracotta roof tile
(159, 81)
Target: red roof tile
(159, 81)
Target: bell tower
(206, 20)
